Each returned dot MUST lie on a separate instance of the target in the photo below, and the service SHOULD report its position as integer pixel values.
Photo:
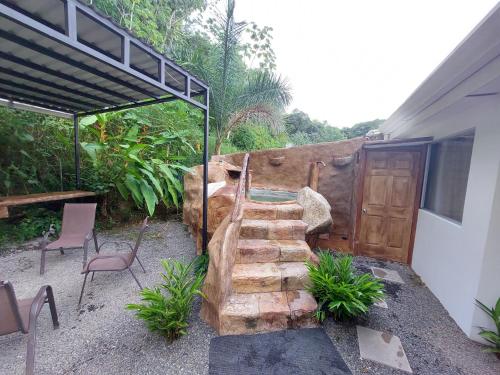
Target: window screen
(448, 172)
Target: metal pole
(77, 149)
(205, 175)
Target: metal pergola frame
(65, 58)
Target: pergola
(64, 58)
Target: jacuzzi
(268, 195)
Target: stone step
(269, 277)
(270, 311)
(273, 229)
(265, 251)
(272, 211)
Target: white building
(457, 241)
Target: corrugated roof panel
(95, 34)
(82, 76)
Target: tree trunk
(218, 145)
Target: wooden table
(20, 200)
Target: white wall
(460, 262)
(489, 284)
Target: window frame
(468, 132)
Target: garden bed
(103, 338)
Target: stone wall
(217, 286)
(222, 181)
(292, 169)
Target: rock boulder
(316, 211)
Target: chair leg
(135, 278)
(92, 278)
(83, 287)
(136, 257)
(52, 307)
(42, 262)
(30, 355)
(95, 242)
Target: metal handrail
(242, 189)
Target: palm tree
(237, 94)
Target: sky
(351, 61)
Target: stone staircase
(269, 274)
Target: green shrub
(168, 313)
(243, 138)
(491, 336)
(34, 222)
(339, 290)
(201, 264)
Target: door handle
(364, 210)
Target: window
(448, 172)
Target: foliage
(32, 225)
(362, 128)
(237, 94)
(168, 314)
(162, 23)
(491, 336)
(339, 290)
(34, 155)
(137, 161)
(302, 130)
(201, 264)
(250, 137)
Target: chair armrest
(88, 237)
(38, 302)
(116, 242)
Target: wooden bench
(20, 200)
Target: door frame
(416, 145)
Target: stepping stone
(381, 304)
(388, 275)
(382, 347)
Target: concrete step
(265, 251)
(272, 211)
(269, 277)
(273, 229)
(269, 311)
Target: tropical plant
(491, 336)
(137, 162)
(168, 313)
(237, 94)
(339, 290)
(201, 264)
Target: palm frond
(266, 87)
(260, 113)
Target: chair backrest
(78, 219)
(10, 317)
(144, 226)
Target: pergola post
(205, 173)
(76, 131)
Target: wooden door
(388, 204)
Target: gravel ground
(433, 342)
(104, 338)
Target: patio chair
(78, 222)
(119, 261)
(21, 315)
